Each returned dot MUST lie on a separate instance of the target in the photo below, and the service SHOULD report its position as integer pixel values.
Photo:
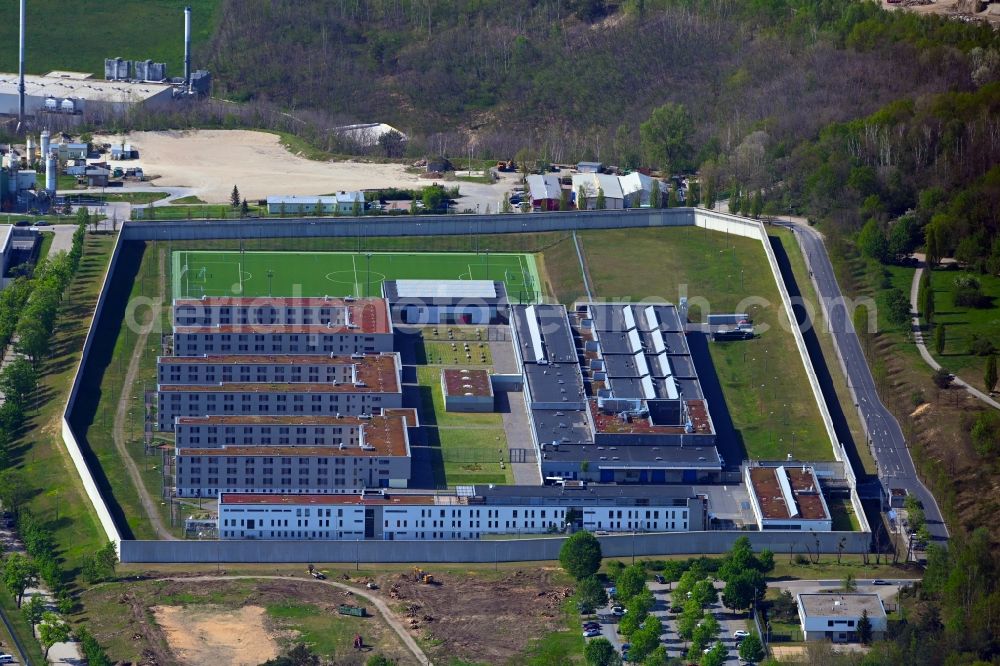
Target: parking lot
(677, 647)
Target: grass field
(763, 380)
(132, 29)
(961, 323)
(340, 273)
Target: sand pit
(212, 161)
(206, 635)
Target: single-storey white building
(787, 498)
(638, 187)
(595, 183)
(836, 616)
(341, 203)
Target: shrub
(942, 378)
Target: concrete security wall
(506, 550)
(478, 551)
(69, 437)
(429, 225)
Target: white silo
(29, 145)
(50, 173)
(46, 140)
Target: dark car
(659, 579)
(879, 581)
(23, 223)
(319, 575)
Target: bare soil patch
(477, 616)
(215, 635)
(212, 161)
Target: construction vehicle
(421, 576)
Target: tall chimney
(187, 47)
(20, 72)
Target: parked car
(23, 223)
(879, 581)
(659, 579)
(590, 633)
(740, 634)
(612, 591)
(319, 575)
(6, 658)
(591, 625)
(43, 223)
(677, 609)
(617, 610)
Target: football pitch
(254, 274)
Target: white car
(740, 634)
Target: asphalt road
(895, 466)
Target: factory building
(425, 302)
(75, 93)
(473, 512)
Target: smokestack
(187, 47)
(20, 72)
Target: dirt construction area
(212, 161)
(234, 622)
(212, 635)
(480, 617)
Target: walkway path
(377, 601)
(118, 434)
(918, 337)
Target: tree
(601, 202)
(614, 569)
(714, 657)
(392, 144)
(939, 339)
(414, 209)
(655, 194)
(658, 657)
(941, 378)
(743, 589)
(927, 298)
(18, 380)
(600, 652)
(705, 632)
(872, 241)
(300, 655)
(848, 584)
(52, 630)
(704, 593)
(33, 610)
(631, 582)
(897, 307)
(665, 138)
(18, 574)
(646, 639)
(709, 193)
(990, 374)
(865, 628)
(14, 491)
(734, 200)
(244, 208)
(672, 197)
(92, 650)
(590, 592)
(580, 555)
(757, 205)
(751, 649)
(101, 565)
(235, 198)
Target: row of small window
(193, 348)
(293, 534)
(266, 430)
(232, 460)
(490, 524)
(195, 396)
(317, 441)
(246, 377)
(638, 525)
(634, 514)
(490, 513)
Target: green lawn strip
(764, 382)
(45, 245)
(842, 513)
(187, 201)
(59, 497)
(431, 377)
(20, 626)
(184, 212)
(560, 271)
(136, 197)
(825, 338)
(100, 432)
(961, 323)
(473, 456)
(558, 647)
(828, 568)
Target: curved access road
(381, 605)
(888, 446)
(918, 337)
